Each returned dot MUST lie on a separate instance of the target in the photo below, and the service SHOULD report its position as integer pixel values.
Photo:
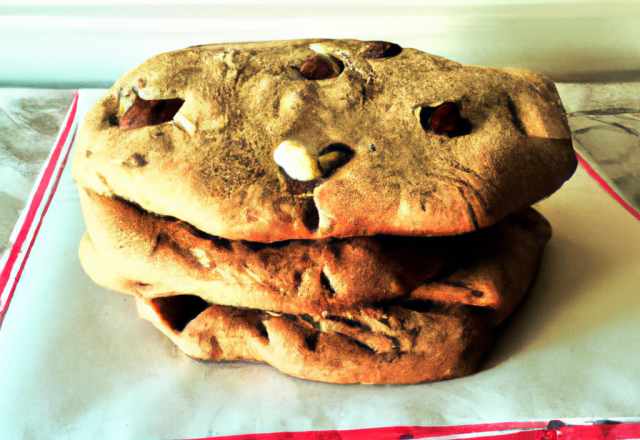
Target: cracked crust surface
(382, 309)
(212, 165)
(371, 345)
(132, 251)
(332, 279)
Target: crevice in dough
(310, 214)
(136, 160)
(309, 320)
(262, 330)
(178, 311)
(159, 240)
(380, 49)
(346, 321)
(144, 113)
(257, 246)
(218, 242)
(312, 340)
(363, 346)
(324, 280)
(104, 182)
(472, 213)
(333, 157)
(514, 116)
(444, 119)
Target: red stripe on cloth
(606, 186)
(614, 431)
(393, 432)
(491, 431)
(34, 206)
(35, 234)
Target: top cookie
(325, 138)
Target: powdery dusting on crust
(241, 101)
(273, 202)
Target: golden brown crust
(212, 166)
(372, 346)
(388, 309)
(341, 156)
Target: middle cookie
(133, 251)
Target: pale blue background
(50, 44)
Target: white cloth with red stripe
(26, 228)
(76, 362)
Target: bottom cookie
(417, 341)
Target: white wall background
(91, 44)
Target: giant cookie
(402, 142)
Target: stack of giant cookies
(344, 211)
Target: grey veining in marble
(605, 125)
(29, 123)
(610, 141)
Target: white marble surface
(612, 141)
(605, 126)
